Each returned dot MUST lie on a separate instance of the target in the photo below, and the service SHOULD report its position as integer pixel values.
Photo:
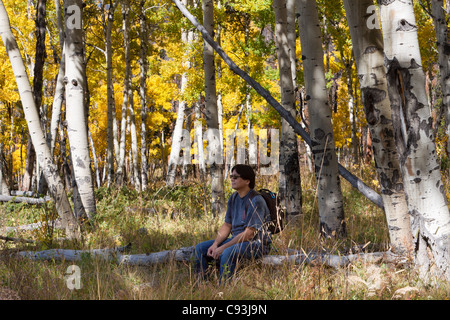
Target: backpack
(275, 225)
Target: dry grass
(162, 219)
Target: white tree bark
(186, 254)
(329, 194)
(427, 203)
(56, 187)
(369, 56)
(289, 176)
(177, 135)
(108, 20)
(143, 63)
(123, 126)
(75, 108)
(212, 118)
(57, 104)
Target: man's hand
(211, 250)
(215, 251)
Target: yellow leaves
(161, 92)
(157, 119)
(18, 157)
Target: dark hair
(246, 172)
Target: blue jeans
(229, 258)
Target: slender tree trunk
(110, 101)
(200, 155)
(75, 105)
(177, 135)
(212, 119)
(329, 194)
(29, 165)
(443, 46)
(94, 157)
(134, 140)
(289, 177)
(135, 172)
(123, 127)
(41, 53)
(37, 80)
(369, 56)
(427, 203)
(4, 188)
(352, 108)
(57, 104)
(143, 62)
(56, 186)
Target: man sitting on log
(246, 220)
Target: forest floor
(164, 218)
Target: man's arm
(222, 235)
(246, 235)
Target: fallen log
(73, 255)
(186, 254)
(331, 260)
(182, 254)
(5, 198)
(20, 193)
(57, 224)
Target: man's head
(244, 172)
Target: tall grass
(169, 218)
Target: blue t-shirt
(256, 216)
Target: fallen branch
(183, 254)
(57, 224)
(354, 181)
(20, 193)
(4, 198)
(330, 260)
(186, 254)
(73, 255)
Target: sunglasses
(234, 177)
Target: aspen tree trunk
(177, 135)
(134, 145)
(289, 176)
(75, 107)
(56, 187)
(143, 63)
(177, 138)
(369, 55)
(212, 118)
(40, 51)
(57, 104)
(4, 188)
(443, 46)
(427, 203)
(123, 127)
(110, 100)
(59, 90)
(200, 156)
(352, 108)
(134, 141)
(329, 194)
